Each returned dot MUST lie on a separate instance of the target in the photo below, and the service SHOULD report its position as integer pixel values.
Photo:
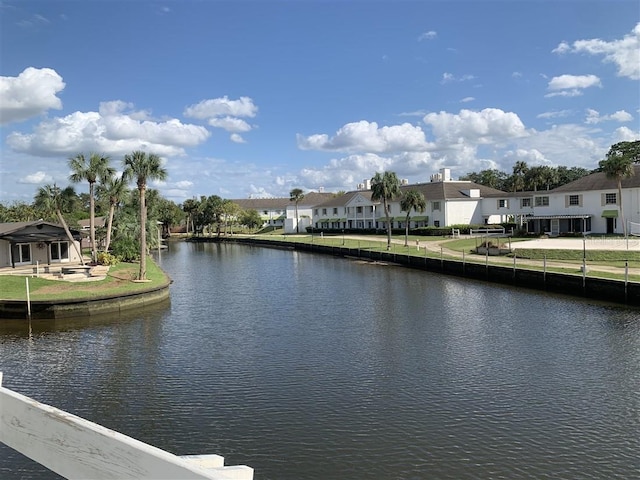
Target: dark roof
(310, 199)
(450, 190)
(37, 231)
(599, 181)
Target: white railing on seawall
(76, 448)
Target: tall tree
(296, 195)
(385, 186)
(52, 200)
(190, 207)
(412, 200)
(517, 178)
(91, 169)
(619, 165)
(112, 189)
(143, 167)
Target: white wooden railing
(76, 448)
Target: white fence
(78, 449)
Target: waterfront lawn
(118, 281)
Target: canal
(306, 366)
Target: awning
(420, 218)
(610, 214)
(554, 217)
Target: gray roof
(36, 231)
(599, 181)
(310, 199)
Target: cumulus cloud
(31, 93)
(113, 130)
(218, 107)
(366, 136)
(593, 117)
(226, 114)
(623, 53)
(36, 178)
(571, 85)
(486, 126)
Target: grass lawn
(118, 282)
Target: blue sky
(254, 98)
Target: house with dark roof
(38, 242)
(449, 202)
(280, 212)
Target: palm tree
(519, 173)
(90, 169)
(190, 207)
(385, 186)
(113, 189)
(52, 200)
(412, 200)
(296, 195)
(143, 167)
(618, 165)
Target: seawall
(56, 309)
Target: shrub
(105, 258)
(126, 249)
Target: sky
(251, 99)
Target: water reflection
(282, 360)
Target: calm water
(314, 367)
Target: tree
(143, 167)
(52, 200)
(519, 172)
(385, 186)
(190, 207)
(250, 219)
(91, 169)
(619, 165)
(412, 200)
(112, 189)
(296, 195)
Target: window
(315, 212)
(436, 223)
(610, 199)
(573, 200)
(60, 251)
(324, 211)
(435, 206)
(503, 203)
(21, 253)
(358, 209)
(525, 202)
(335, 211)
(542, 201)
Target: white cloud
(219, 107)
(571, 85)
(36, 178)
(31, 93)
(430, 35)
(184, 184)
(112, 130)
(564, 82)
(624, 53)
(230, 124)
(235, 138)
(450, 77)
(467, 99)
(593, 117)
(625, 134)
(554, 114)
(488, 125)
(366, 136)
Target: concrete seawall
(56, 309)
(615, 291)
